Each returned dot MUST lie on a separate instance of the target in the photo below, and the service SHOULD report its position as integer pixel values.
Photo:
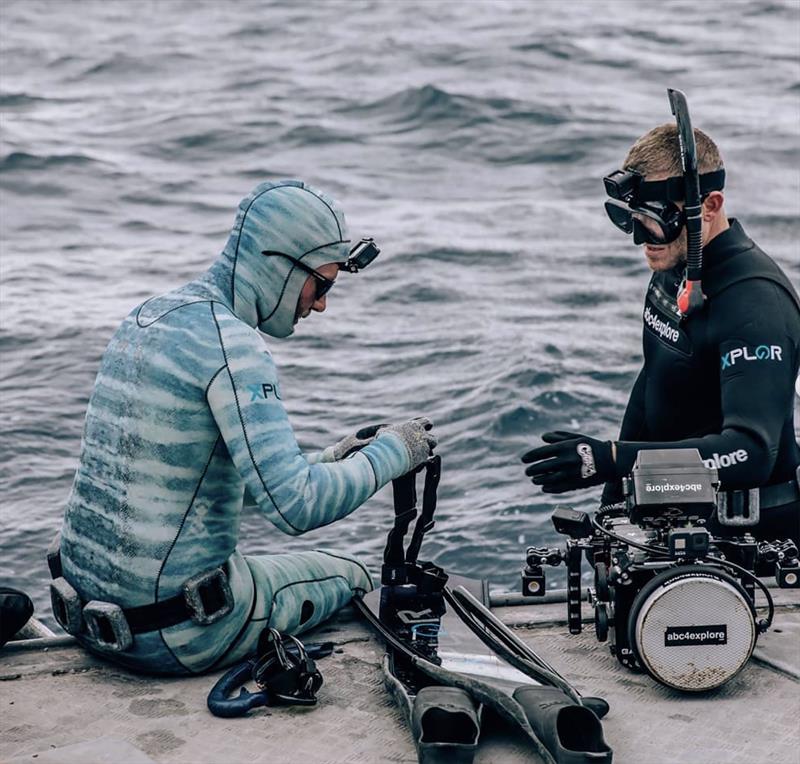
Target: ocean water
(469, 138)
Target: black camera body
(669, 597)
(622, 184)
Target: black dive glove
(569, 462)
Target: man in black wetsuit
(720, 380)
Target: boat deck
(61, 704)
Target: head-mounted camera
(361, 255)
(648, 209)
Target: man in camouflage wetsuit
(186, 414)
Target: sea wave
(431, 106)
(22, 161)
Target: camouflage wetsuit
(185, 414)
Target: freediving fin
(572, 733)
(444, 721)
(598, 705)
(449, 657)
(445, 725)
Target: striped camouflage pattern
(186, 413)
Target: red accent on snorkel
(690, 297)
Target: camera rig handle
(425, 522)
(533, 576)
(574, 553)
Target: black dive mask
(650, 222)
(647, 209)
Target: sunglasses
(323, 285)
(360, 256)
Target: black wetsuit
(722, 381)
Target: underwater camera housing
(670, 598)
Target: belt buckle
(208, 596)
(108, 628)
(739, 507)
(67, 606)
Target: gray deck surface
(60, 704)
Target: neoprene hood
(290, 217)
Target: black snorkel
(690, 296)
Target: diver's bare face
(307, 300)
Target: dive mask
(647, 209)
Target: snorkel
(690, 295)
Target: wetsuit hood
(290, 217)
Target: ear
(712, 205)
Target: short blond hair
(658, 152)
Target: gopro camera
(621, 184)
(361, 255)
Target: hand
(569, 462)
(417, 438)
(352, 443)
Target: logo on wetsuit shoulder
(758, 353)
(264, 390)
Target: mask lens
(643, 235)
(657, 223)
(651, 223)
(620, 215)
(652, 230)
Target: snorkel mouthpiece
(691, 296)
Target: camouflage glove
(351, 443)
(416, 437)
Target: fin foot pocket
(446, 725)
(570, 732)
